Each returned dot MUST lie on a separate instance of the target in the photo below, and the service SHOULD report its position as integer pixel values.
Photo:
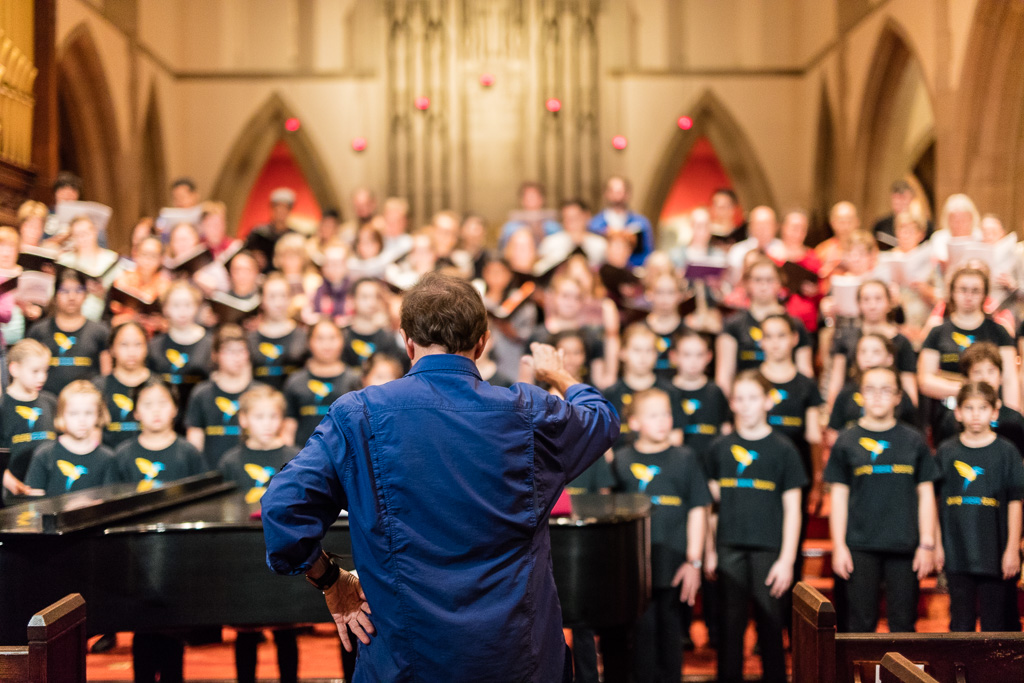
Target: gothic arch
(251, 149)
(826, 186)
(88, 109)
(153, 163)
(881, 152)
(989, 123)
(711, 119)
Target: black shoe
(105, 643)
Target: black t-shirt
(849, 407)
(182, 365)
(746, 330)
(252, 469)
(76, 353)
(120, 400)
(700, 413)
(752, 476)
(674, 481)
(620, 395)
(975, 486)
(663, 367)
(24, 427)
(215, 411)
(57, 470)
(152, 469)
(787, 417)
(951, 341)
(882, 470)
(1009, 424)
(274, 358)
(359, 347)
(596, 477)
(845, 344)
(309, 397)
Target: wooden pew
(895, 668)
(820, 655)
(56, 646)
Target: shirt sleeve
(927, 469)
(1015, 480)
(697, 493)
(37, 475)
(906, 357)
(837, 471)
(304, 499)
(932, 340)
(813, 395)
(569, 435)
(803, 339)
(195, 415)
(793, 475)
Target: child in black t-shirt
(77, 460)
(26, 414)
(182, 355)
(251, 465)
(982, 362)
(310, 392)
(212, 419)
(699, 407)
(980, 491)
(872, 351)
(756, 477)
(672, 477)
(278, 345)
(128, 351)
(638, 357)
(369, 330)
(883, 509)
(665, 295)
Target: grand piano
(191, 554)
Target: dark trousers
(287, 646)
(870, 570)
(711, 607)
(741, 576)
(658, 650)
(584, 655)
(156, 654)
(991, 597)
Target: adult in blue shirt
(448, 482)
(617, 216)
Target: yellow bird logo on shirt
(875, 448)
(151, 470)
(176, 358)
(63, 342)
(962, 340)
(742, 456)
(260, 475)
(756, 334)
(858, 399)
(644, 474)
(363, 349)
(125, 404)
(690, 406)
(967, 472)
(778, 395)
(320, 389)
(71, 471)
(29, 414)
(226, 406)
(271, 351)
(662, 344)
(627, 399)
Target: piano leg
(616, 653)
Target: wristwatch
(329, 576)
(697, 564)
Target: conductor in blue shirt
(448, 483)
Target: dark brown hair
(979, 353)
(445, 311)
(982, 390)
(966, 271)
(227, 333)
(755, 377)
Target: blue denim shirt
(449, 482)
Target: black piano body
(192, 554)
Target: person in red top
(802, 304)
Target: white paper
(844, 294)
(99, 213)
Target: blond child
(26, 413)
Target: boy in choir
(982, 362)
(981, 484)
(370, 328)
(638, 356)
(244, 276)
(182, 355)
(673, 479)
(665, 295)
(882, 519)
(756, 478)
(872, 350)
(212, 419)
(78, 345)
(26, 414)
(77, 459)
(277, 345)
(128, 352)
(310, 392)
(251, 465)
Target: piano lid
(597, 508)
(103, 505)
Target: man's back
(449, 482)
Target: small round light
(619, 142)
(422, 103)
(553, 105)
(292, 124)
(487, 80)
(359, 144)
(685, 122)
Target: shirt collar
(445, 362)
